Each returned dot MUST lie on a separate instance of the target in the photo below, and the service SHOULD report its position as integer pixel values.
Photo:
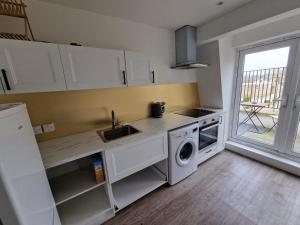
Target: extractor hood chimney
(186, 48)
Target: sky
(267, 59)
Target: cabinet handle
(5, 79)
(153, 77)
(124, 77)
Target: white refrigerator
(25, 194)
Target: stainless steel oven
(208, 132)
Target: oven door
(208, 135)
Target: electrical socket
(38, 129)
(49, 127)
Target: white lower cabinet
(131, 171)
(78, 198)
(137, 169)
(125, 160)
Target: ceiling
(169, 14)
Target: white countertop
(62, 150)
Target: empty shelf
(89, 208)
(70, 185)
(136, 186)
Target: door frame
(294, 112)
(237, 87)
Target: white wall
(227, 70)
(60, 24)
(251, 13)
(287, 26)
(209, 79)
(215, 83)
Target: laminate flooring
(228, 189)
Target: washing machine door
(186, 152)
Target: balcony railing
(263, 86)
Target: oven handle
(207, 128)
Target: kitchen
(111, 110)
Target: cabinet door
(139, 69)
(125, 160)
(1, 91)
(89, 68)
(30, 67)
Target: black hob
(196, 113)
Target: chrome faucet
(114, 121)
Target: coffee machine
(157, 109)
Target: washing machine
(183, 148)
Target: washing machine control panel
(183, 133)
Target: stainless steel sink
(116, 133)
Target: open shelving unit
(92, 207)
(131, 188)
(78, 197)
(73, 184)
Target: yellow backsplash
(78, 111)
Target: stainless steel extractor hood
(186, 48)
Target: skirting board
(264, 157)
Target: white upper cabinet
(139, 69)
(89, 68)
(30, 67)
(27, 66)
